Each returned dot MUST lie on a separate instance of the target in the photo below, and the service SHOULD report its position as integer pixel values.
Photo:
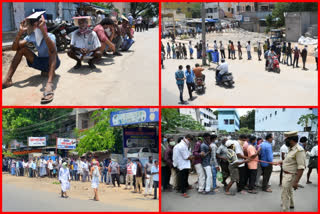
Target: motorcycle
(226, 80)
(200, 86)
(61, 32)
(275, 67)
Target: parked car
(142, 152)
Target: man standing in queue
(293, 166)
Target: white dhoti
(65, 185)
(64, 177)
(95, 182)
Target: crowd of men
(88, 44)
(283, 51)
(242, 162)
(86, 170)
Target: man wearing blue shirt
(47, 60)
(180, 82)
(155, 175)
(266, 154)
(190, 81)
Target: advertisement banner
(134, 116)
(139, 137)
(66, 143)
(37, 141)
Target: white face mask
(38, 35)
(108, 32)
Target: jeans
(181, 91)
(155, 185)
(115, 177)
(85, 176)
(191, 88)
(249, 54)
(104, 176)
(214, 177)
(295, 60)
(223, 55)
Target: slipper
(44, 100)
(230, 193)
(252, 191)
(4, 86)
(77, 66)
(309, 182)
(185, 195)
(267, 190)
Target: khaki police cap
(291, 134)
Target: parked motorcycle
(275, 67)
(61, 32)
(200, 86)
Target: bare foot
(7, 84)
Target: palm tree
(304, 121)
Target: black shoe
(77, 66)
(117, 54)
(92, 66)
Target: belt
(286, 172)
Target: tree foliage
(247, 120)
(282, 7)
(101, 136)
(171, 119)
(21, 123)
(196, 10)
(245, 131)
(147, 9)
(305, 119)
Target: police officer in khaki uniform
(293, 166)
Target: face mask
(38, 35)
(187, 142)
(108, 32)
(172, 143)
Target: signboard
(37, 141)
(66, 143)
(139, 137)
(134, 116)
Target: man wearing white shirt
(85, 169)
(313, 161)
(248, 47)
(241, 167)
(181, 159)
(283, 153)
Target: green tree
(305, 119)
(247, 120)
(171, 119)
(282, 7)
(196, 10)
(216, 112)
(21, 123)
(222, 132)
(101, 136)
(245, 131)
(147, 9)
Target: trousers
(287, 193)
(201, 176)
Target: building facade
(204, 116)
(228, 120)
(179, 7)
(283, 119)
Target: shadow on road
(35, 81)
(84, 70)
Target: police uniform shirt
(295, 159)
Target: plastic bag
(219, 176)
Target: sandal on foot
(46, 93)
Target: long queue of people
(242, 162)
(87, 45)
(266, 50)
(81, 169)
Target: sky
(241, 111)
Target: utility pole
(203, 17)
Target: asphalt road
(131, 79)
(306, 199)
(22, 200)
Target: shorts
(42, 63)
(234, 173)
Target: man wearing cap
(293, 166)
(84, 44)
(126, 34)
(46, 61)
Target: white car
(143, 152)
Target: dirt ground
(83, 190)
(131, 79)
(253, 85)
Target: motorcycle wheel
(62, 43)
